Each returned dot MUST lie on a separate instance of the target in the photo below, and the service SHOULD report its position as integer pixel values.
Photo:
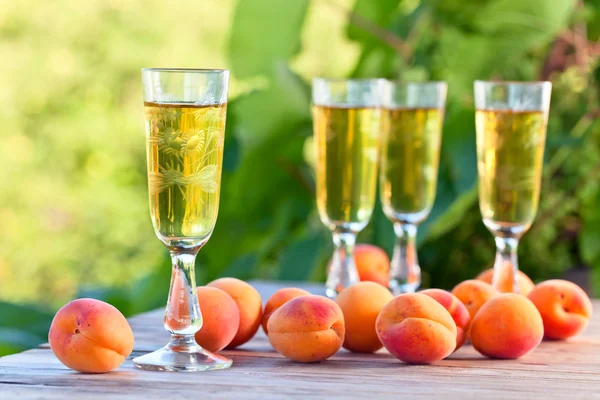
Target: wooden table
(556, 370)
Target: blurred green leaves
(523, 24)
(22, 327)
(267, 197)
(379, 13)
(261, 113)
(265, 32)
(589, 239)
(299, 259)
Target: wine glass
(185, 111)
(413, 115)
(511, 119)
(346, 115)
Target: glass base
(405, 273)
(342, 270)
(398, 287)
(182, 355)
(332, 293)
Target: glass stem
(506, 265)
(342, 272)
(405, 273)
(182, 316)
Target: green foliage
(258, 28)
(22, 327)
(74, 192)
(379, 13)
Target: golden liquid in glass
(185, 158)
(510, 152)
(347, 151)
(410, 161)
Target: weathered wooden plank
(342, 377)
(556, 369)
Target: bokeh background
(73, 193)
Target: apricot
(307, 329)
(361, 304)
(416, 329)
(565, 308)
(372, 263)
(89, 335)
(249, 305)
(526, 285)
(220, 318)
(508, 326)
(278, 299)
(457, 310)
(474, 294)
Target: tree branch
(386, 36)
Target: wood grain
(555, 370)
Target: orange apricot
(361, 304)
(416, 329)
(91, 336)
(249, 304)
(474, 294)
(372, 263)
(457, 310)
(278, 299)
(307, 328)
(565, 308)
(220, 318)
(508, 326)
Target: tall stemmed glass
(185, 112)
(347, 118)
(413, 115)
(511, 120)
